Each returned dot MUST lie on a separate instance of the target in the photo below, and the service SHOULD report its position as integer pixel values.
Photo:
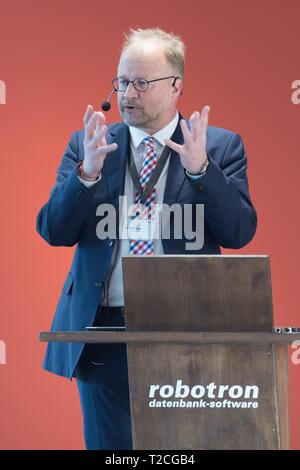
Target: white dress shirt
(114, 287)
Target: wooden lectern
(206, 370)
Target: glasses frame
(147, 81)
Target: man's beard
(137, 119)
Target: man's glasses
(140, 84)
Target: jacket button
(98, 284)
(80, 195)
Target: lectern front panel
(209, 396)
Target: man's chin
(130, 120)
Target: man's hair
(172, 45)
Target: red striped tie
(145, 211)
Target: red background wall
(58, 56)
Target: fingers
(195, 121)
(92, 121)
(187, 135)
(88, 113)
(173, 145)
(100, 120)
(95, 145)
(99, 136)
(105, 149)
(204, 114)
(204, 122)
(199, 123)
(90, 127)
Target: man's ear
(177, 86)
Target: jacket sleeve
(228, 209)
(61, 218)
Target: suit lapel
(115, 163)
(176, 174)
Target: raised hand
(193, 151)
(95, 145)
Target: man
(206, 165)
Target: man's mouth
(129, 107)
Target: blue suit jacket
(69, 218)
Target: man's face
(155, 108)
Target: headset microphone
(106, 104)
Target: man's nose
(130, 91)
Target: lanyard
(154, 177)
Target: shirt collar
(137, 135)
